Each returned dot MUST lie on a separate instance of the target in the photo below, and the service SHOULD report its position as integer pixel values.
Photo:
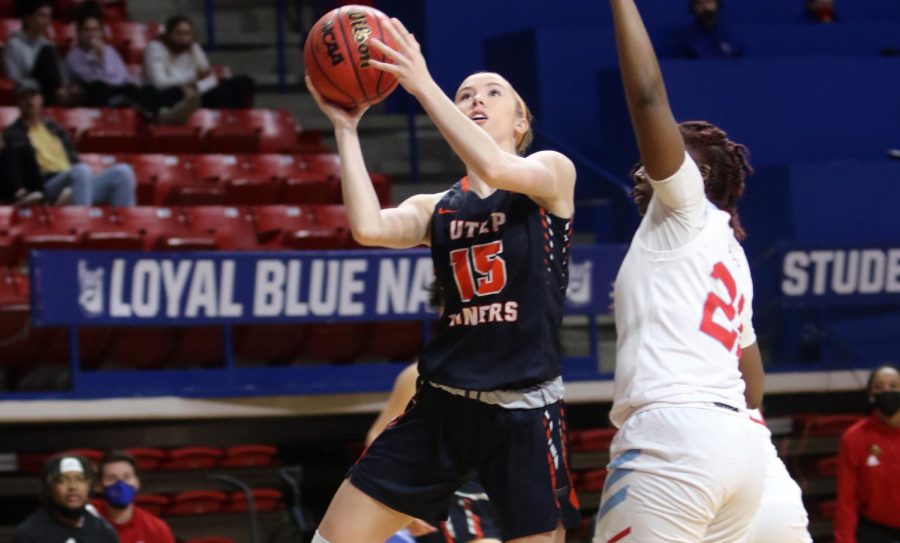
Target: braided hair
(728, 165)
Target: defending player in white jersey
(686, 465)
(781, 517)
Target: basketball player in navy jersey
(490, 400)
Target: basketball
(337, 55)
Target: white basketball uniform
(781, 517)
(685, 464)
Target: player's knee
(318, 538)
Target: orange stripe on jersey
(464, 183)
(564, 439)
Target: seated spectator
(29, 55)
(820, 11)
(100, 71)
(708, 37)
(62, 180)
(63, 516)
(118, 484)
(177, 61)
(868, 473)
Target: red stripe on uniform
(551, 468)
(621, 535)
(447, 535)
(476, 521)
(564, 439)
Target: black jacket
(18, 161)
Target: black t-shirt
(40, 527)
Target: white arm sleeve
(678, 209)
(683, 191)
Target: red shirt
(868, 477)
(142, 528)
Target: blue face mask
(119, 494)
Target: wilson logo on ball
(361, 31)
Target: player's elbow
(367, 237)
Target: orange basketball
(337, 55)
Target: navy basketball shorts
(520, 455)
(471, 516)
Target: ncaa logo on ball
(331, 45)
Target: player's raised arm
(466, 124)
(399, 228)
(659, 139)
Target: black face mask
(68, 512)
(887, 402)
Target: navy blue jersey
(502, 263)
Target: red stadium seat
(76, 121)
(395, 341)
(7, 94)
(131, 38)
(192, 458)
(116, 130)
(264, 499)
(63, 35)
(197, 502)
(232, 227)
(15, 312)
(142, 347)
(96, 227)
(164, 229)
(233, 131)
(245, 456)
(827, 425)
(155, 504)
(590, 481)
(823, 510)
(334, 218)
(148, 459)
(8, 26)
(597, 439)
(235, 174)
(335, 342)
(277, 129)
(286, 226)
(33, 227)
(160, 176)
(825, 467)
(198, 346)
(94, 455)
(309, 179)
(273, 343)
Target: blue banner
(86, 288)
(839, 276)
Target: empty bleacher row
(113, 130)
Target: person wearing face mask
(868, 475)
(118, 484)
(65, 490)
(708, 37)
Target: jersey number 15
(479, 270)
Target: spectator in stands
(820, 11)
(101, 72)
(62, 179)
(868, 473)
(118, 482)
(65, 491)
(29, 55)
(177, 61)
(708, 37)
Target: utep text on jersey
(502, 264)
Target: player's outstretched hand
(407, 62)
(339, 117)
